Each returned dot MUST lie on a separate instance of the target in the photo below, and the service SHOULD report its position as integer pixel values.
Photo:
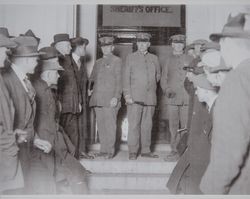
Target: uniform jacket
(142, 72)
(173, 77)
(68, 88)
(10, 171)
(196, 157)
(106, 77)
(229, 167)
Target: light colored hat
(143, 37)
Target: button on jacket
(142, 72)
(106, 76)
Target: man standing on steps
(172, 83)
(106, 95)
(142, 72)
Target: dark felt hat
(31, 34)
(7, 42)
(79, 41)
(4, 31)
(60, 37)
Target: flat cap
(179, 38)
(143, 37)
(106, 40)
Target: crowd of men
(44, 96)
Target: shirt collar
(76, 57)
(211, 102)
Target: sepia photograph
(124, 98)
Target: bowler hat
(27, 47)
(4, 31)
(179, 38)
(143, 37)
(106, 40)
(233, 28)
(202, 82)
(31, 34)
(47, 59)
(79, 41)
(7, 42)
(60, 37)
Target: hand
(80, 107)
(113, 102)
(128, 99)
(44, 145)
(90, 92)
(21, 136)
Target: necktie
(31, 91)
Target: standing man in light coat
(106, 95)
(141, 75)
(172, 83)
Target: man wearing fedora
(60, 161)
(68, 90)
(172, 84)
(228, 170)
(79, 45)
(30, 33)
(106, 95)
(23, 60)
(142, 72)
(11, 176)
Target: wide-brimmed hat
(179, 38)
(106, 40)
(210, 45)
(233, 28)
(7, 42)
(4, 31)
(60, 37)
(202, 82)
(143, 37)
(48, 61)
(27, 47)
(31, 34)
(201, 42)
(79, 41)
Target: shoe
(149, 155)
(101, 154)
(132, 156)
(109, 156)
(172, 157)
(84, 155)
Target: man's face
(81, 50)
(143, 46)
(108, 49)
(178, 47)
(53, 76)
(63, 47)
(30, 64)
(216, 79)
(227, 51)
(2, 55)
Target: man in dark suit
(11, 176)
(23, 60)
(79, 61)
(68, 90)
(60, 161)
(106, 95)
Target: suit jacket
(172, 79)
(229, 167)
(106, 77)
(23, 117)
(68, 88)
(142, 72)
(10, 172)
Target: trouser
(82, 123)
(70, 124)
(177, 119)
(140, 126)
(106, 123)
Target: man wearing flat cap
(142, 72)
(106, 95)
(228, 170)
(23, 60)
(11, 175)
(60, 159)
(172, 84)
(79, 45)
(68, 90)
